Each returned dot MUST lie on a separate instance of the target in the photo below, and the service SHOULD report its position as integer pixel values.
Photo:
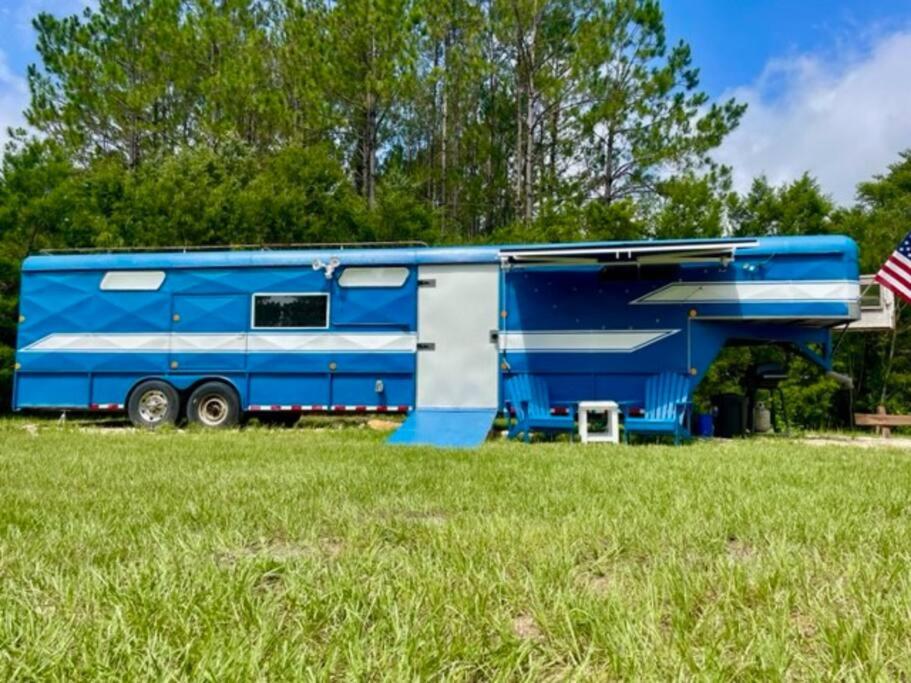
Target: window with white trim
(290, 310)
(373, 277)
(132, 280)
(871, 298)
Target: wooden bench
(882, 421)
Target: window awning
(676, 251)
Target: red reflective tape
(338, 408)
(105, 406)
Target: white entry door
(458, 308)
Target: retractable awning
(675, 251)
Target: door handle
(426, 346)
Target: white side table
(611, 411)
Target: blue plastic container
(705, 426)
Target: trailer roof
(229, 258)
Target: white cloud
(13, 99)
(841, 120)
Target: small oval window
(132, 280)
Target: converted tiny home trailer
(434, 332)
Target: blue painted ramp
(445, 427)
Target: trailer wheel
(214, 405)
(152, 404)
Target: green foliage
(691, 205)
(883, 213)
(796, 208)
(648, 114)
(810, 396)
(488, 108)
(724, 376)
(238, 197)
(878, 222)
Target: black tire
(214, 405)
(153, 403)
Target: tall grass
(290, 554)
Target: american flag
(896, 271)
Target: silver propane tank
(762, 418)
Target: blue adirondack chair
(529, 398)
(666, 407)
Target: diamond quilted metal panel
(210, 313)
(381, 306)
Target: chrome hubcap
(212, 410)
(153, 406)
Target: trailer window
(290, 310)
(373, 277)
(132, 280)
(871, 298)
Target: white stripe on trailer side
(568, 341)
(584, 341)
(207, 342)
(319, 343)
(100, 343)
(786, 291)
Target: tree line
(488, 112)
(187, 122)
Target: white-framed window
(289, 310)
(871, 298)
(373, 277)
(132, 280)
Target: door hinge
(426, 346)
(428, 282)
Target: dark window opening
(871, 299)
(635, 271)
(290, 310)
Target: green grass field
(296, 554)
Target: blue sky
(828, 82)
(733, 40)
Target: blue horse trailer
(437, 333)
